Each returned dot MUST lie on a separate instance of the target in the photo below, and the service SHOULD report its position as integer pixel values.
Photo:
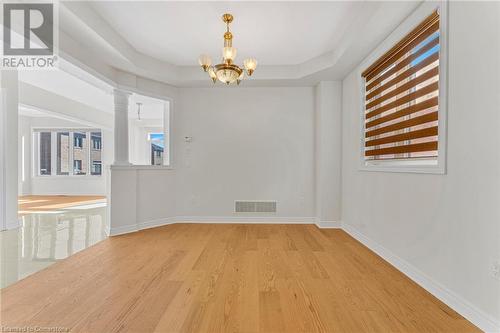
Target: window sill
(424, 166)
(140, 167)
(67, 176)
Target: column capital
(121, 100)
(121, 92)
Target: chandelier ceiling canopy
(227, 72)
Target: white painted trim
(89, 177)
(476, 316)
(139, 167)
(123, 230)
(156, 223)
(245, 219)
(328, 224)
(212, 220)
(3, 158)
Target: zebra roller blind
(402, 97)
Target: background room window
(78, 140)
(148, 128)
(95, 153)
(67, 152)
(80, 153)
(63, 153)
(96, 140)
(157, 148)
(45, 153)
(96, 167)
(77, 167)
(401, 97)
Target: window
(149, 131)
(96, 140)
(95, 153)
(96, 167)
(80, 153)
(157, 148)
(45, 155)
(401, 97)
(78, 140)
(77, 167)
(63, 153)
(56, 155)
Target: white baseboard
(476, 316)
(210, 219)
(156, 223)
(115, 231)
(245, 219)
(329, 224)
(12, 225)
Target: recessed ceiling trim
(333, 65)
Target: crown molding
(88, 40)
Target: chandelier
(227, 72)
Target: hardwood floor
(29, 204)
(227, 278)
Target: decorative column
(121, 98)
(9, 103)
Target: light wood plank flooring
(29, 204)
(227, 278)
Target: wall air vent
(255, 206)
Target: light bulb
(250, 65)
(229, 53)
(212, 74)
(205, 61)
(240, 78)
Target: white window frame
(417, 165)
(53, 149)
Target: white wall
(327, 144)
(140, 197)
(446, 226)
(9, 86)
(24, 162)
(3, 158)
(247, 143)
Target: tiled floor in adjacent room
(51, 228)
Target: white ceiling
(63, 83)
(71, 83)
(295, 43)
(28, 111)
(276, 33)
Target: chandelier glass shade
(229, 53)
(227, 72)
